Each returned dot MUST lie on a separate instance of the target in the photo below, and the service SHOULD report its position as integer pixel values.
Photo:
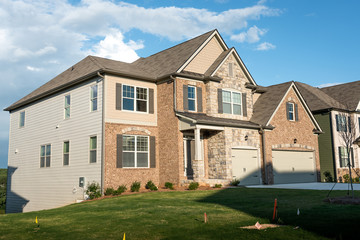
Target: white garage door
(293, 167)
(245, 166)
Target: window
(191, 98)
(341, 123)
(45, 155)
(344, 158)
(291, 113)
(67, 107)
(135, 102)
(66, 149)
(135, 151)
(231, 102)
(22, 119)
(93, 97)
(93, 149)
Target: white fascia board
(215, 33)
(210, 127)
(358, 107)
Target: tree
(348, 134)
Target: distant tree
(348, 134)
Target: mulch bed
(343, 200)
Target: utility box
(81, 182)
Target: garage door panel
(245, 166)
(293, 167)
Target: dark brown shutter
(220, 106)
(244, 104)
(118, 96)
(151, 100)
(199, 99)
(185, 97)
(152, 152)
(337, 123)
(288, 111)
(119, 147)
(349, 124)
(296, 113)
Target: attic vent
(231, 74)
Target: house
(336, 108)
(192, 112)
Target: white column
(198, 155)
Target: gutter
(262, 133)
(102, 175)
(201, 78)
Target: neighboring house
(334, 107)
(189, 113)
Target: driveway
(311, 186)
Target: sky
(315, 42)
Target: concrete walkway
(312, 186)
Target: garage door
(245, 166)
(293, 167)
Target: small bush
(235, 182)
(217, 186)
(356, 180)
(346, 178)
(135, 186)
(193, 186)
(93, 190)
(121, 189)
(150, 185)
(169, 185)
(109, 191)
(328, 176)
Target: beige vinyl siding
(56, 185)
(127, 117)
(205, 57)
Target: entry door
(245, 166)
(189, 155)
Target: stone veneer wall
(220, 146)
(114, 176)
(282, 137)
(236, 83)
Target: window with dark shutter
(151, 100)
(118, 96)
(296, 113)
(152, 152)
(244, 105)
(220, 104)
(185, 96)
(199, 99)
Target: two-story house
(337, 110)
(192, 112)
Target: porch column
(198, 162)
(198, 155)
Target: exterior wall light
(295, 140)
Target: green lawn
(180, 215)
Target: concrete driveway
(311, 186)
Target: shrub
(217, 186)
(328, 177)
(356, 180)
(169, 185)
(346, 178)
(193, 186)
(121, 189)
(93, 190)
(109, 191)
(235, 182)
(135, 186)
(150, 185)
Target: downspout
(262, 133)
(103, 135)
(174, 91)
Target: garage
(245, 166)
(293, 166)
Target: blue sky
(315, 42)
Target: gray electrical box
(81, 182)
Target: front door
(189, 155)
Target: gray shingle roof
(150, 68)
(217, 62)
(347, 94)
(267, 103)
(317, 99)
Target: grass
(3, 178)
(180, 215)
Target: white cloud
(265, 46)
(328, 85)
(34, 69)
(252, 35)
(114, 47)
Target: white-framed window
(94, 98)
(93, 147)
(192, 98)
(231, 102)
(66, 152)
(22, 119)
(291, 111)
(341, 123)
(344, 157)
(135, 98)
(67, 107)
(135, 151)
(45, 155)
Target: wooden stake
(275, 208)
